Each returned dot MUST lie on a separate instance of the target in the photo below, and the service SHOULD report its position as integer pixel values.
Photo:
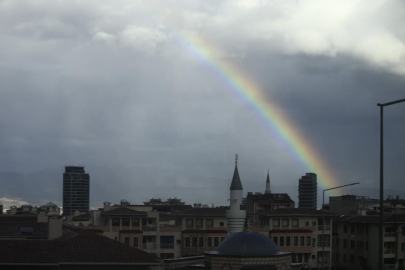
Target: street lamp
(323, 220)
(381, 236)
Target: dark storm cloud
(107, 86)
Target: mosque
(242, 249)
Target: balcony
(327, 227)
(149, 246)
(389, 234)
(149, 228)
(389, 266)
(389, 251)
(166, 245)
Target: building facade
(308, 191)
(300, 231)
(355, 242)
(76, 190)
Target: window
(308, 241)
(402, 247)
(198, 223)
(294, 222)
(135, 222)
(344, 243)
(306, 257)
(281, 241)
(299, 257)
(288, 241)
(136, 242)
(276, 223)
(344, 257)
(201, 242)
(189, 223)
(306, 223)
(209, 222)
(178, 241)
(265, 221)
(285, 223)
(295, 241)
(125, 222)
(294, 258)
(194, 243)
(116, 222)
(345, 228)
(188, 242)
(209, 241)
(126, 240)
(302, 241)
(314, 223)
(351, 244)
(275, 240)
(216, 241)
(221, 224)
(351, 258)
(366, 246)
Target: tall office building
(76, 190)
(308, 191)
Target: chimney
(54, 227)
(197, 205)
(107, 206)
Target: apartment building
(169, 231)
(355, 242)
(300, 231)
(202, 229)
(257, 202)
(76, 190)
(308, 191)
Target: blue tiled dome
(248, 244)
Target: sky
(122, 88)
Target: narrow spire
(268, 191)
(236, 183)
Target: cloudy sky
(109, 85)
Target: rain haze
(118, 87)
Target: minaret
(235, 216)
(268, 191)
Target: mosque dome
(247, 244)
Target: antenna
(236, 159)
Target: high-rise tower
(268, 191)
(76, 190)
(308, 191)
(235, 216)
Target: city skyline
(116, 88)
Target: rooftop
(74, 247)
(297, 212)
(123, 211)
(219, 212)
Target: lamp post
(323, 220)
(381, 236)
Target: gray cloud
(108, 86)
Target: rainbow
(246, 89)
